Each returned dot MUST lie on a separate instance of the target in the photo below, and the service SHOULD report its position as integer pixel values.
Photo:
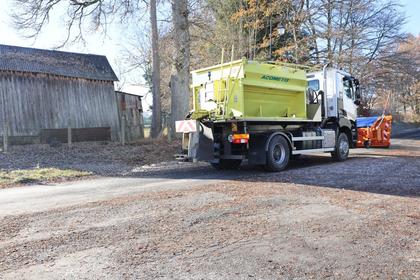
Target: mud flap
(257, 153)
(201, 145)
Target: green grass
(38, 175)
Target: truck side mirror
(356, 84)
(357, 92)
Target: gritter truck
(268, 113)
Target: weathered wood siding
(31, 102)
(131, 109)
(60, 135)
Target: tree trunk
(180, 81)
(329, 31)
(156, 109)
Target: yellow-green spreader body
(249, 90)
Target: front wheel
(342, 148)
(278, 154)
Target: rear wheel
(342, 148)
(227, 164)
(278, 154)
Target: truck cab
(341, 92)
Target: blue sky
(412, 10)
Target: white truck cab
(340, 90)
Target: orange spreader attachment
(376, 135)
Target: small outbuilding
(131, 115)
(44, 92)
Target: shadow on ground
(393, 171)
(374, 172)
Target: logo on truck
(275, 78)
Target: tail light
(240, 138)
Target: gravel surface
(357, 219)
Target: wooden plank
(24, 140)
(78, 135)
(5, 137)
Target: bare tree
(397, 73)
(31, 16)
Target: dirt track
(319, 219)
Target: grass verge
(38, 175)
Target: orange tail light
(240, 138)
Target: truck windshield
(313, 84)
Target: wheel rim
(279, 153)
(344, 147)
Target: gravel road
(318, 219)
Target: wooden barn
(44, 92)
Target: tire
(367, 144)
(278, 154)
(342, 148)
(227, 164)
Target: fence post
(69, 136)
(123, 128)
(5, 137)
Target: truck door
(349, 96)
(331, 86)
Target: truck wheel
(278, 154)
(342, 148)
(227, 164)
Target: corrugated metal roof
(88, 66)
